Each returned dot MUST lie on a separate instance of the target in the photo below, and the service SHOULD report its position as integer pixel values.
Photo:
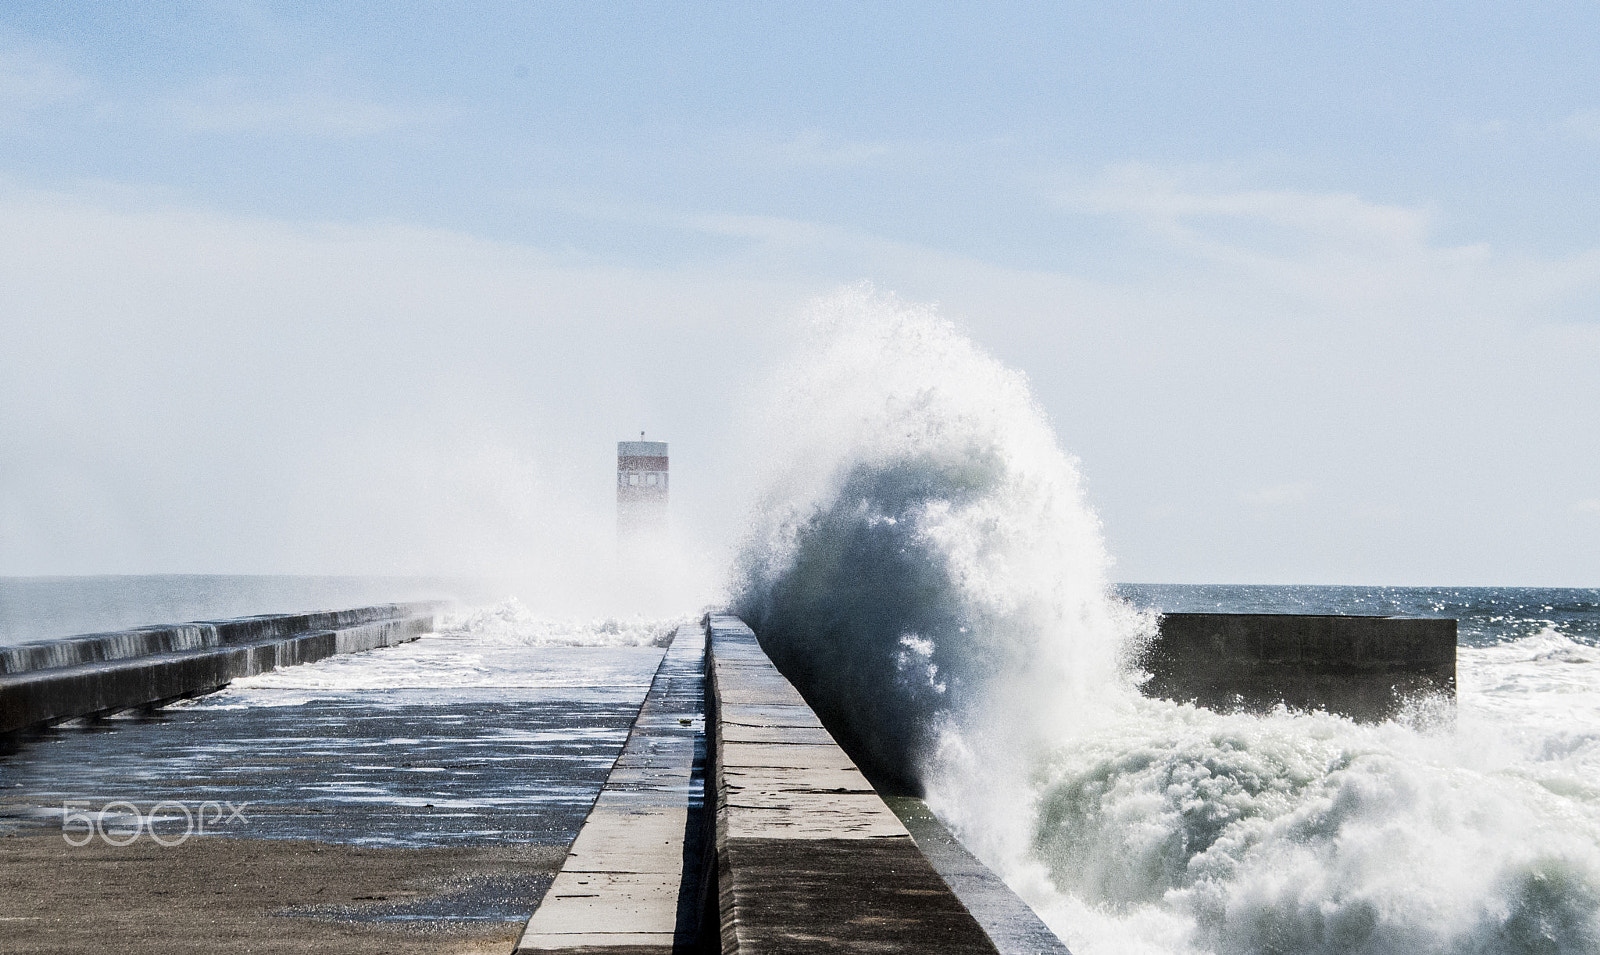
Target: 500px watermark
(120, 821)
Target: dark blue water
(40, 608)
(1487, 615)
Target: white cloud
(229, 106)
(1584, 124)
(1588, 506)
(144, 338)
(1337, 256)
(1160, 196)
(817, 149)
(314, 107)
(29, 82)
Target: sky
(1311, 290)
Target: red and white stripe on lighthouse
(641, 486)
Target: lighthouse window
(633, 479)
(650, 479)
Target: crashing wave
(928, 573)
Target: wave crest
(927, 572)
(927, 549)
(509, 623)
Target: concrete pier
(99, 674)
(730, 820)
(751, 832)
(1364, 667)
(632, 881)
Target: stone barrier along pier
(808, 856)
(98, 674)
(1365, 667)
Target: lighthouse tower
(641, 489)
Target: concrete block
(1365, 667)
(768, 714)
(1005, 918)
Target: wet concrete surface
(378, 770)
(448, 775)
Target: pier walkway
(733, 822)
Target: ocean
(42, 608)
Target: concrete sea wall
(97, 674)
(1365, 667)
(734, 823)
(808, 857)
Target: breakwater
(733, 822)
(95, 675)
(1365, 667)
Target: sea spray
(927, 555)
(1308, 833)
(927, 570)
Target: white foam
(927, 562)
(509, 623)
(504, 646)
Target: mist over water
(926, 552)
(928, 571)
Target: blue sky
(1311, 289)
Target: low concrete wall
(1365, 667)
(96, 674)
(808, 857)
(170, 638)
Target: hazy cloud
(816, 149)
(29, 82)
(384, 398)
(1584, 124)
(232, 106)
(1333, 254)
(1187, 208)
(1278, 495)
(195, 391)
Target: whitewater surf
(928, 571)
